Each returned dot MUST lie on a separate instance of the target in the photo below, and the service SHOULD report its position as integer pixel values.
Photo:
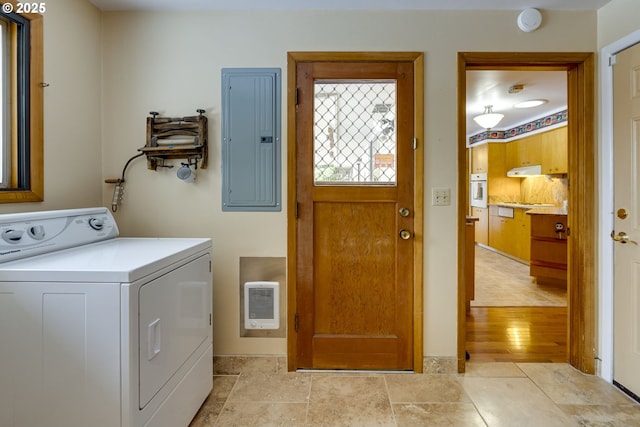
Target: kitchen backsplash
(542, 189)
(537, 189)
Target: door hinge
(612, 60)
(210, 319)
(297, 209)
(415, 143)
(209, 266)
(297, 98)
(296, 322)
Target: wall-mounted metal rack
(176, 138)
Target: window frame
(27, 133)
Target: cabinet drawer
(543, 271)
(553, 252)
(544, 226)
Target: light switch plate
(440, 196)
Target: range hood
(525, 171)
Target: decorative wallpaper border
(550, 120)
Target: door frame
(417, 58)
(606, 205)
(581, 216)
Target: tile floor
(259, 392)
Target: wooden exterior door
(354, 190)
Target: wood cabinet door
(524, 234)
(480, 158)
(510, 235)
(524, 152)
(482, 225)
(554, 151)
(497, 230)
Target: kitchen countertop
(547, 211)
(534, 208)
(522, 205)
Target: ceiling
(350, 4)
(491, 87)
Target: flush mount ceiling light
(530, 103)
(488, 119)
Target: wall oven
(478, 192)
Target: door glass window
(354, 133)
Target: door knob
(622, 237)
(405, 234)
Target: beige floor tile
(425, 388)
(262, 393)
(283, 387)
(235, 365)
(493, 369)
(260, 414)
(211, 408)
(350, 401)
(567, 386)
(437, 415)
(601, 416)
(509, 402)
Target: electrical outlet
(440, 196)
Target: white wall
(616, 20)
(171, 62)
(72, 102)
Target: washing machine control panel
(34, 233)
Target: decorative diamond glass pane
(354, 133)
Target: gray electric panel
(251, 139)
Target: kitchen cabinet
(496, 167)
(554, 151)
(524, 152)
(510, 235)
(482, 225)
(549, 249)
(490, 159)
(480, 159)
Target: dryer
(99, 330)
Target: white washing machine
(98, 330)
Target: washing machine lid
(119, 260)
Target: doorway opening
(518, 310)
(580, 133)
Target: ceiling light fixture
(530, 103)
(488, 119)
(516, 88)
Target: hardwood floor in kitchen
(517, 334)
(528, 331)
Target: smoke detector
(529, 20)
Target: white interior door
(626, 124)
